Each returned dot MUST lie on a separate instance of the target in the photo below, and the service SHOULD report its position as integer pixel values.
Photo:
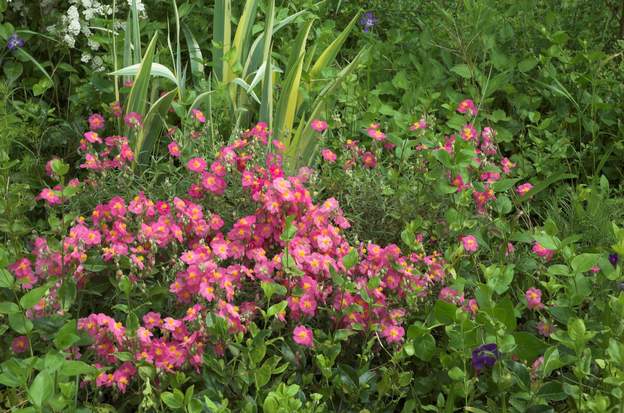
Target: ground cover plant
(279, 206)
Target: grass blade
(136, 32)
(266, 104)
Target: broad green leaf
(153, 124)
(31, 298)
(195, 54)
(463, 70)
(41, 389)
(7, 307)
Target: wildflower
(92, 137)
(15, 42)
(524, 188)
(545, 328)
(50, 196)
(467, 106)
(393, 333)
(133, 120)
(613, 259)
(20, 344)
(303, 336)
(543, 252)
(174, 149)
(369, 160)
(534, 299)
(96, 122)
(536, 366)
(484, 356)
(421, 124)
(328, 155)
(368, 21)
(507, 165)
(470, 243)
(318, 125)
(376, 134)
(116, 109)
(196, 165)
(198, 115)
(307, 304)
(469, 133)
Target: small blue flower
(613, 259)
(368, 20)
(484, 356)
(15, 42)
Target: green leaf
(445, 312)
(425, 347)
(463, 70)
(171, 400)
(276, 309)
(330, 53)
(157, 70)
(41, 389)
(271, 288)
(137, 99)
(552, 391)
(67, 335)
(32, 298)
(540, 186)
(222, 37)
(195, 54)
(6, 279)
(290, 230)
(59, 167)
(456, 374)
(529, 346)
(584, 262)
(7, 307)
(20, 323)
(152, 126)
(351, 259)
(527, 64)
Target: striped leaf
(138, 94)
(329, 54)
(222, 36)
(153, 125)
(287, 103)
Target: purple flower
(484, 356)
(613, 259)
(368, 20)
(15, 42)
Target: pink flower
(50, 196)
(328, 155)
(376, 134)
(92, 137)
(198, 115)
(133, 120)
(545, 328)
(96, 122)
(174, 149)
(543, 252)
(393, 333)
(196, 165)
(116, 109)
(467, 106)
(421, 124)
(470, 243)
(20, 344)
(307, 304)
(318, 125)
(534, 299)
(303, 336)
(369, 160)
(469, 133)
(524, 188)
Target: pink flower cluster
(218, 269)
(111, 152)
